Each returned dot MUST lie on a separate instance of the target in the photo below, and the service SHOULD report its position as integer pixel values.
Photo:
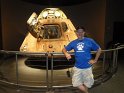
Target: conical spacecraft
(48, 32)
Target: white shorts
(82, 76)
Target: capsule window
(51, 32)
(64, 26)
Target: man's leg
(83, 88)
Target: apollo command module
(48, 32)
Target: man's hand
(92, 62)
(68, 56)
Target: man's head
(80, 32)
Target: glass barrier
(27, 70)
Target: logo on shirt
(80, 47)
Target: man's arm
(96, 57)
(97, 54)
(67, 55)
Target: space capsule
(48, 32)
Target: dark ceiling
(57, 2)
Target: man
(82, 77)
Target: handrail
(52, 54)
(42, 53)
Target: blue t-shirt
(82, 50)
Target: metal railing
(108, 66)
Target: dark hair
(80, 27)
